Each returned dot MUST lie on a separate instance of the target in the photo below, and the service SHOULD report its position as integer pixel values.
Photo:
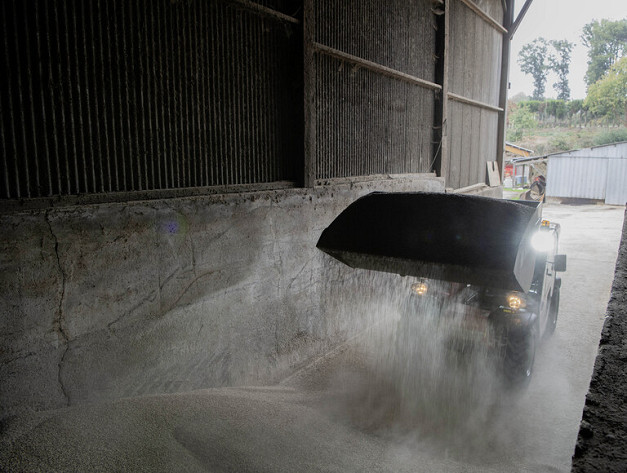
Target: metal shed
(590, 173)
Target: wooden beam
(264, 10)
(444, 152)
(475, 103)
(519, 18)
(373, 66)
(310, 119)
(487, 18)
(508, 18)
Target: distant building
(515, 176)
(598, 173)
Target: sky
(559, 19)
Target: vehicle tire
(520, 354)
(551, 322)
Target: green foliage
(559, 62)
(607, 98)
(545, 140)
(532, 60)
(615, 135)
(514, 135)
(534, 106)
(548, 114)
(575, 106)
(545, 110)
(606, 42)
(556, 108)
(559, 143)
(523, 119)
(520, 119)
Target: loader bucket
(452, 237)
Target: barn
(167, 167)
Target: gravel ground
(344, 413)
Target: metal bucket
(452, 237)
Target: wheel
(551, 322)
(520, 354)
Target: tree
(607, 98)
(606, 42)
(559, 62)
(532, 60)
(520, 120)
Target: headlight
(515, 301)
(419, 288)
(542, 241)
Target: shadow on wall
(153, 297)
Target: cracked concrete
(65, 340)
(116, 300)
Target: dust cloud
(419, 375)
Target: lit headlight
(515, 301)
(419, 288)
(542, 241)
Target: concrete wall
(114, 300)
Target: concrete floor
(343, 413)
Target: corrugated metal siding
(615, 150)
(616, 191)
(590, 173)
(475, 65)
(576, 177)
(367, 122)
(104, 96)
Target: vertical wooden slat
(95, 25)
(250, 86)
(140, 86)
(95, 137)
(191, 94)
(161, 105)
(216, 123)
(309, 64)
(508, 19)
(233, 101)
(32, 135)
(22, 116)
(199, 106)
(8, 126)
(175, 93)
(146, 48)
(179, 50)
(242, 97)
(202, 112)
(76, 90)
(125, 96)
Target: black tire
(554, 308)
(520, 354)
